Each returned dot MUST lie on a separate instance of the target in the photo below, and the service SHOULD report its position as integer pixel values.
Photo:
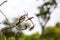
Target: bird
(21, 19)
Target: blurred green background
(51, 33)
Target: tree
(34, 36)
(52, 33)
(45, 14)
(2, 37)
(57, 25)
(7, 31)
(15, 28)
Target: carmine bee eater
(21, 19)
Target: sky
(14, 8)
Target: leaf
(23, 24)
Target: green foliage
(10, 38)
(57, 25)
(45, 9)
(5, 22)
(25, 24)
(8, 33)
(12, 34)
(44, 14)
(2, 37)
(34, 36)
(52, 32)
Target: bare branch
(40, 21)
(4, 15)
(21, 19)
(3, 2)
(30, 20)
(28, 17)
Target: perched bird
(21, 19)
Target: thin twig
(3, 2)
(4, 15)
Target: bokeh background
(15, 8)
